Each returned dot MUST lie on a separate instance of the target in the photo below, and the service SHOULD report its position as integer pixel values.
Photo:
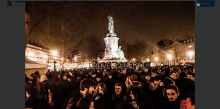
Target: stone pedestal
(113, 53)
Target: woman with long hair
(101, 97)
(53, 96)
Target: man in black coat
(123, 76)
(86, 90)
(109, 82)
(43, 87)
(185, 85)
(118, 96)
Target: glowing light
(148, 60)
(151, 64)
(61, 58)
(31, 54)
(190, 53)
(190, 46)
(54, 53)
(169, 56)
(133, 59)
(156, 59)
(75, 58)
(45, 56)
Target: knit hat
(133, 77)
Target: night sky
(151, 21)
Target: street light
(190, 54)
(148, 60)
(54, 53)
(169, 56)
(156, 60)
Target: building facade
(168, 52)
(42, 55)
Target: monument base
(112, 60)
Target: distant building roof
(164, 42)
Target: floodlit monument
(113, 53)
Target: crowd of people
(161, 87)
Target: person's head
(85, 103)
(38, 77)
(136, 84)
(87, 85)
(191, 75)
(69, 78)
(110, 75)
(125, 105)
(124, 71)
(133, 77)
(104, 70)
(70, 73)
(146, 70)
(179, 71)
(98, 78)
(167, 81)
(147, 77)
(31, 92)
(43, 78)
(101, 88)
(144, 101)
(172, 92)
(93, 74)
(118, 88)
(134, 91)
(98, 70)
(173, 75)
(182, 75)
(70, 103)
(162, 71)
(191, 97)
(63, 76)
(157, 79)
(153, 71)
(36, 73)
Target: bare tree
(32, 18)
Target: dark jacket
(171, 105)
(116, 100)
(110, 85)
(76, 95)
(185, 86)
(43, 89)
(103, 102)
(36, 103)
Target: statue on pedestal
(110, 27)
(110, 24)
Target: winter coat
(43, 89)
(36, 103)
(185, 86)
